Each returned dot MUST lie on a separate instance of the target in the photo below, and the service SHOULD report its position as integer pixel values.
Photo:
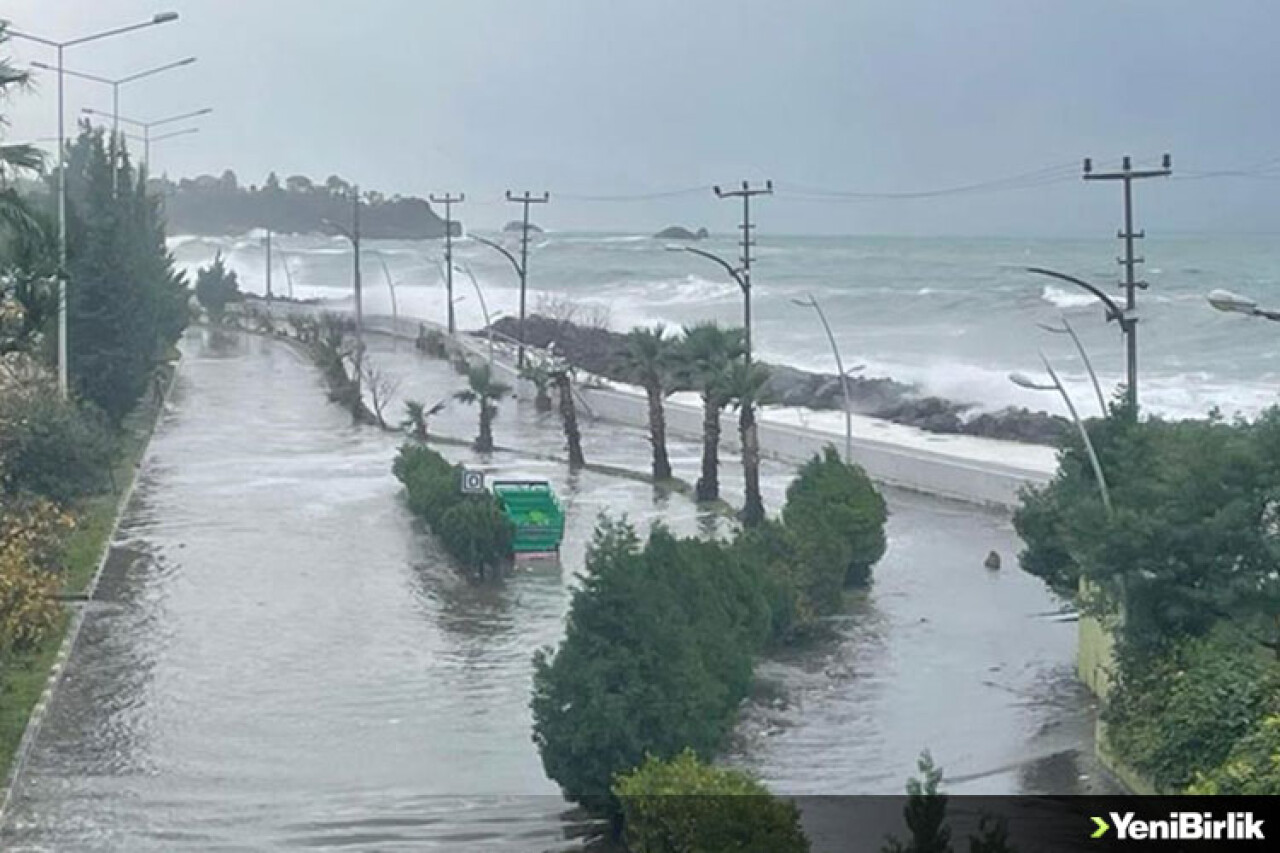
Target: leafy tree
(217, 287)
(706, 356)
(484, 391)
(925, 812)
(656, 656)
(746, 387)
(649, 360)
(127, 306)
(1176, 714)
(28, 604)
(50, 447)
(684, 804)
(1252, 768)
(837, 516)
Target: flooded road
(280, 658)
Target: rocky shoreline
(595, 350)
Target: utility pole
(744, 279)
(359, 285)
(525, 200)
(1130, 262)
(448, 201)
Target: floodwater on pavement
(280, 657)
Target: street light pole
(115, 84)
(520, 275)
(1067, 329)
(1024, 381)
(147, 125)
(739, 277)
(1125, 317)
(160, 18)
(810, 302)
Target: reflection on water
(279, 657)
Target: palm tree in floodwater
(649, 359)
(484, 391)
(707, 354)
(562, 377)
(746, 389)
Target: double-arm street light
(743, 282)
(147, 125)
(115, 84)
(1234, 303)
(1128, 327)
(810, 302)
(515, 264)
(1067, 329)
(61, 47)
(1055, 384)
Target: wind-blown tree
(649, 360)
(217, 287)
(15, 214)
(484, 391)
(127, 305)
(537, 371)
(707, 354)
(747, 389)
(562, 378)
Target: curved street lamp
(744, 284)
(515, 264)
(810, 302)
(61, 46)
(1066, 329)
(1234, 303)
(391, 287)
(1055, 384)
(1128, 326)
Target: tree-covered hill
(220, 205)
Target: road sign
(472, 482)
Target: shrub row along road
(277, 658)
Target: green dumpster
(535, 512)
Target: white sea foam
(1061, 298)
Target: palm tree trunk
(484, 441)
(658, 435)
(569, 416)
(749, 433)
(708, 486)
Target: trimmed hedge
(472, 528)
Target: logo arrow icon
(1102, 825)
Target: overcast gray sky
(588, 97)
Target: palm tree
(746, 387)
(484, 391)
(15, 216)
(535, 370)
(562, 376)
(416, 417)
(707, 353)
(649, 360)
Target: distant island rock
(516, 225)
(676, 232)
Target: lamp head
(1225, 300)
(1022, 380)
(164, 17)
